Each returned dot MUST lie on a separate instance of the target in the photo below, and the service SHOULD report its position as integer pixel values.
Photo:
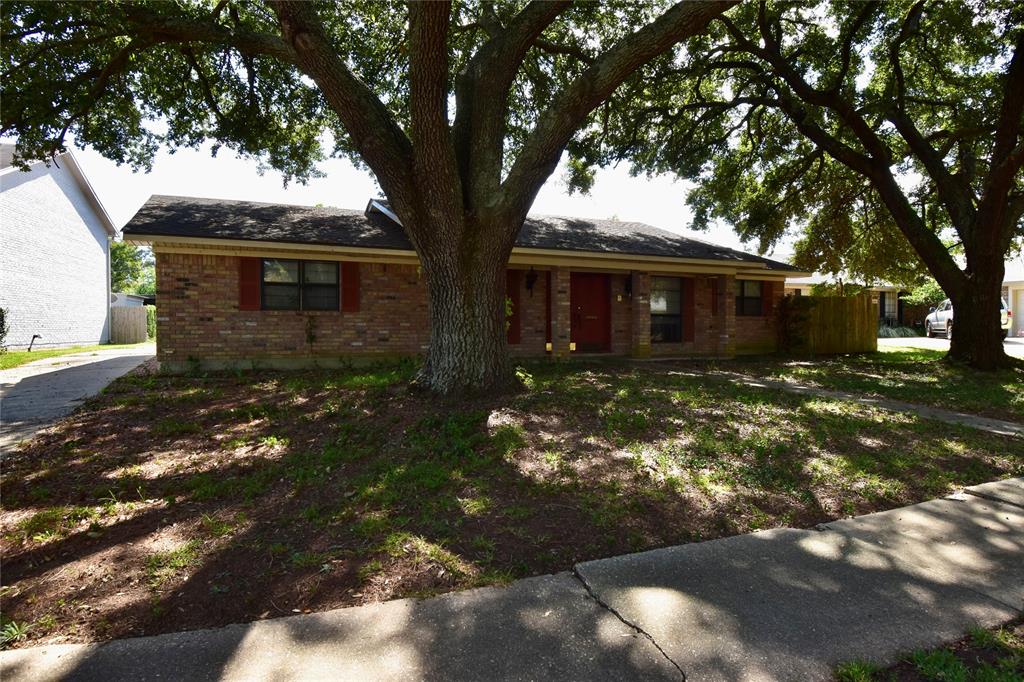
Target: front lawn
(910, 374)
(16, 358)
(171, 503)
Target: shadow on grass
(326, 489)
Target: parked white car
(940, 319)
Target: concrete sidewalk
(779, 605)
(33, 396)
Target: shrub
(151, 321)
(887, 332)
(5, 326)
(794, 313)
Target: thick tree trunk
(468, 350)
(977, 336)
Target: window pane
(280, 297)
(751, 306)
(665, 298)
(666, 328)
(282, 271)
(320, 297)
(751, 288)
(320, 273)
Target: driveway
(1013, 346)
(34, 396)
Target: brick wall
(706, 324)
(757, 333)
(199, 316)
(53, 260)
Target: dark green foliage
(5, 326)
(131, 269)
(151, 321)
(881, 130)
(928, 293)
(794, 312)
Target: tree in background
(890, 132)
(461, 110)
(928, 293)
(132, 269)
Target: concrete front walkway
(35, 395)
(779, 605)
(997, 426)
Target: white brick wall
(53, 260)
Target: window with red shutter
(250, 274)
(689, 310)
(350, 287)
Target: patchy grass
(169, 503)
(909, 374)
(162, 566)
(16, 358)
(984, 655)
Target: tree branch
(436, 171)
(557, 124)
(482, 93)
(373, 130)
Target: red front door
(590, 307)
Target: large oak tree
(876, 127)
(461, 111)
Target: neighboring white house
(1013, 292)
(891, 310)
(54, 254)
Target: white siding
(53, 260)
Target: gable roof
(75, 169)
(377, 227)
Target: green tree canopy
(131, 269)
(888, 132)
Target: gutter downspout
(109, 240)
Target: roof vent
(384, 208)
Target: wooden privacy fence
(842, 324)
(127, 324)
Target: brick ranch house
(270, 285)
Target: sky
(659, 201)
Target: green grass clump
(163, 566)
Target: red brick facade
(199, 317)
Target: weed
(170, 427)
(856, 671)
(11, 631)
(217, 527)
(941, 664)
(162, 566)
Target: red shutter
(547, 307)
(514, 331)
(349, 287)
(767, 298)
(714, 295)
(250, 271)
(688, 305)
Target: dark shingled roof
(168, 216)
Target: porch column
(560, 313)
(726, 325)
(640, 314)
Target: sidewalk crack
(994, 498)
(608, 607)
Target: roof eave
(520, 254)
